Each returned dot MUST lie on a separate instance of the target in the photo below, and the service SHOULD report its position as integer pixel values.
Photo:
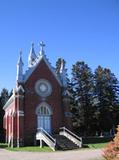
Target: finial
(32, 44)
(20, 68)
(42, 45)
(20, 58)
(20, 52)
(32, 56)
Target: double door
(44, 121)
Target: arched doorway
(44, 113)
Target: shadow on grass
(3, 145)
(85, 146)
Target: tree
(3, 99)
(106, 92)
(82, 89)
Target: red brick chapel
(39, 100)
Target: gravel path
(66, 155)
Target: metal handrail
(47, 134)
(65, 129)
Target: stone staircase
(63, 143)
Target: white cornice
(10, 100)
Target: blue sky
(73, 29)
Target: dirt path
(66, 155)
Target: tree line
(94, 99)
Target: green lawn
(30, 149)
(47, 149)
(3, 145)
(97, 145)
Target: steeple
(20, 64)
(42, 45)
(32, 56)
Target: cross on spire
(42, 45)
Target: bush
(111, 151)
(93, 140)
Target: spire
(63, 73)
(42, 45)
(20, 64)
(32, 56)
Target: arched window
(44, 113)
(43, 109)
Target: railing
(10, 139)
(47, 134)
(70, 135)
(42, 135)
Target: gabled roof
(36, 63)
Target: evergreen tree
(4, 96)
(82, 90)
(106, 91)
(3, 99)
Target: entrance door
(44, 121)
(44, 118)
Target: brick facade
(20, 120)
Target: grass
(30, 149)
(3, 145)
(97, 145)
(47, 149)
(95, 142)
